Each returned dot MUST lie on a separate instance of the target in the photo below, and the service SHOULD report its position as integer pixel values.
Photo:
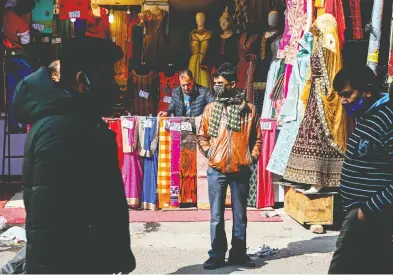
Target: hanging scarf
(356, 16)
(234, 108)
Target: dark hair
(362, 79)
(86, 54)
(227, 71)
(186, 72)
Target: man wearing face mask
(365, 241)
(188, 100)
(230, 137)
(76, 210)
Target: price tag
(128, 124)
(56, 40)
(167, 99)
(175, 127)
(56, 9)
(148, 123)
(186, 126)
(45, 40)
(266, 125)
(143, 94)
(75, 14)
(38, 27)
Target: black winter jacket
(76, 211)
(201, 96)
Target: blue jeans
(218, 184)
(17, 68)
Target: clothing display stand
(7, 156)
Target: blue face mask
(354, 107)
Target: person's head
(54, 70)
(356, 86)
(225, 78)
(87, 69)
(186, 81)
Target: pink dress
(132, 167)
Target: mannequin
(155, 39)
(248, 50)
(200, 62)
(144, 92)
(228, 51)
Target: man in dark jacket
(76, 211)
(189, 99)
(364, 245)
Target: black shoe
(244, 261)
(213, 264)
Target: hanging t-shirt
(42, 16)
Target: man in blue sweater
(365, 241)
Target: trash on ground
(3, 222)
(317, 229)
(262, 251)
(269, 214)
(15, 233)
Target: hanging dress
(200, 51)
(148, 150)
(167, 84)
(292, 111)
(115, 126)
(132, 168)
(188, 165)
(317, 155)
(175, 130)
(164, 164)
(247, 64)
(202, 166)
(155, 40)
(144, 94)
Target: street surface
(181, 248)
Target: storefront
(286, 65)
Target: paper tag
(56, 40)
(167, 99)
(175, 127)
(45, 40)
(143, 94)
(266, 125)
(128, 124)
(38, 27)
(186, 126)
(75, 14)
(56, 9)
(148, 123)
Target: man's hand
(162, 114)
(361, 216)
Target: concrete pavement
(181, 248)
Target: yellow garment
(199, 47)
(335, 115)
(118, 30)
(320, 5)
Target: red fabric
(335, 7)
(167, 84)
(67, 6)
(357, 26)
(13, 25)
(115, 126)
(265, 190)
(98, 27)
(390, 65)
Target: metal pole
(375, 35)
